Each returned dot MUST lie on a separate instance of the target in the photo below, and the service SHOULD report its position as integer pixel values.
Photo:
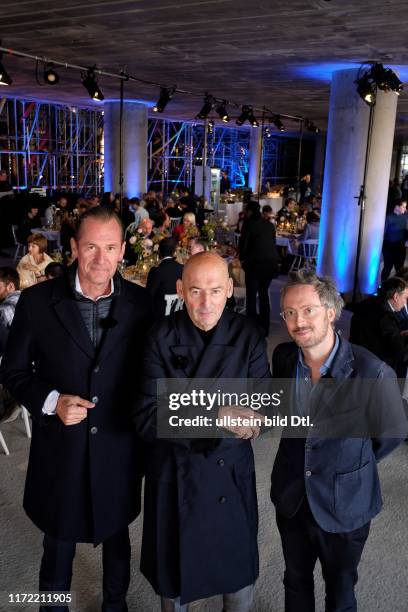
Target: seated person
(32, 266)
(312, 227)
(187, 226)
(173, 209)
(196, 245)
(161, 281)
(54, 270)
(287, 210)
(139, 213)
(162, 224)
(375, 324)
(267, 213)
(9, 294)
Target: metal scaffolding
(174, 148)
(51, 146)
(59, 147)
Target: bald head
(205, 288)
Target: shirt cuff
(50, 404)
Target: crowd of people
(96, 424)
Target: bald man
(200, 516)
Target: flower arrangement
(190, 231)
(141, 245)
(208, 230)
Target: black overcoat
(200, 516)
(83, 481)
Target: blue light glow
(324, 71)
(127, 101)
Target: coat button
(94, 430)
(222, 499)
(96, 369)
(95, 399)
(308, 473)
(221, 462)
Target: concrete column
(344, 171)
(255, 159)
(134, 137)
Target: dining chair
(306, 256)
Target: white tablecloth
(288, 243)
(232, 212)
(50, 235)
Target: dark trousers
(56, 570)
(258, 287)
(303, 542)
(394, 255)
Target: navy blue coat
(200, 515)
(339, 475)
(81, 486)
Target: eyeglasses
(307, 312)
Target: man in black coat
(259, 258)
(200, 517)
(376, 326)
(161, 281)
(71, 359)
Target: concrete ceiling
(273, 53)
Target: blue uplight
(324, 70)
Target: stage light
(247, 115)
(211, 126)
(222, 111)
(5, 78)
(207, 107)
(90, 84)
(276, 120)
(366, 89)
(50, 76)
(311, 127)
(385, 79)
(166, 94)
(268, 132)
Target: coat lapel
(70, 318)
(121, 311)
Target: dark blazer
(161, 284)
(83, 481)
(338, 475)
(376, 327)
(257, 248)
(200, 517)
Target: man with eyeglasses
(325, 486)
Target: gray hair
(324, 286)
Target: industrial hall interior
(203, 306)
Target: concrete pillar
(134, 148)
(344, 171)
(255, 159)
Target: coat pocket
(353, 491)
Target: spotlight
(222, 111)
(247, 115)
(385, 79)
(311, 127)
(166, 94)
(50, 76)
(366, 89)
(243, 116)
(207, 107)
(90, 84)
(268, 132)
(276, 120)
(5, 78)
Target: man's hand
(245, 432)
(72, 409)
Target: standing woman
(31, 267)
(259, 259)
